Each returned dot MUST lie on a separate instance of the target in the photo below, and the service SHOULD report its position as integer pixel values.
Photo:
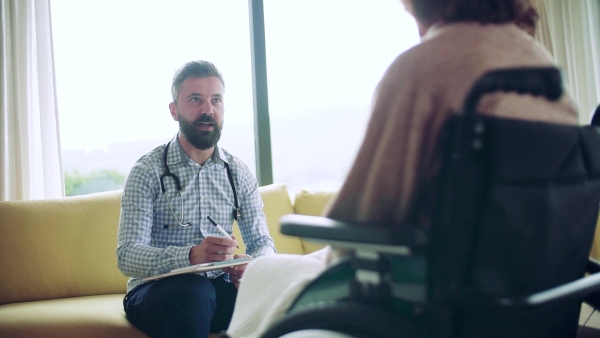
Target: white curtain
(30, 146)
(571, 32)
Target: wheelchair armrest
(326, 229)
(577, 289)
(593, 266)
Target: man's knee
(180, 305)
(193, 291)
(187, 295)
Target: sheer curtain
(29, 144)
(571, 32)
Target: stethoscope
(237, 212)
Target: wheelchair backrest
(516, 214)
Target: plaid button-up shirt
(150, 240)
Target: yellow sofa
(59, 275)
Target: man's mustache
(205, 119)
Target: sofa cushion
(277, 203)
(312, 202)
(91, 316)
(595, 251)
(59, 248)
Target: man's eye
(195, 99)
(217, 100)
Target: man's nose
(206, 108)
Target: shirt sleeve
(135, 255)
(253, 224)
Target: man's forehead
(203, 85)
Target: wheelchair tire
(354, 319)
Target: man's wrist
(191, 259)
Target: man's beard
(198, 138)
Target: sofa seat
(89, 316)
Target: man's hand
(236, 272)
(213, 249)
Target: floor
(592, 327)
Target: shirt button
(202, 198)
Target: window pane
(324, 60)
(114, 63)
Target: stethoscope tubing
(237, 213)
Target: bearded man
(164, 225)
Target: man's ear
(173, 109)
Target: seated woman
(391, 180)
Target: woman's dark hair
(483, 11)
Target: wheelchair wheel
(353, 319)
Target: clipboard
(200, 268)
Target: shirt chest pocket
(174, 235)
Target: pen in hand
(219, 228)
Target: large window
(324, 60)
(114, 64)
(115, 60)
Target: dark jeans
(181, 306)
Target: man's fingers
(221, 241)
(224, 250)
(219, 257)
(243, 255)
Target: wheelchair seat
(506, 254)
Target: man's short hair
(193, 69)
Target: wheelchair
(508, 250)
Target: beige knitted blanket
(268, 288)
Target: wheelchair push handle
(544, 81)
